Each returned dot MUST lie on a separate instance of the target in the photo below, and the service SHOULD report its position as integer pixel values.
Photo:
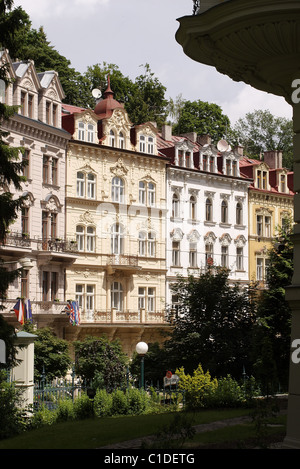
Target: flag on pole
(28, 310)
(72, 310)
(19, 310)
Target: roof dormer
(261, 177)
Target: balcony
(121, 262)
(123, 317)
(38, 307)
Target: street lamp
(142, 349)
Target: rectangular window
(193, 255)
(53, 225)
(176, 253)
(54, 171)
(23, 103)
(151, 300)
(54, 115)
(79, 295)
(30, 106)
(208, 254)
(259, 268)
(268, 227)
(142, 298)
(45, 286)
(25, 158)
(90, 298)
(259, 225)
(46, 169)
(239, 259)
(54, 285)
(25, 220)
(44, 225)
(48, 112)
(24, 283)
(224, 256)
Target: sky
(131, 33)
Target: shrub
(137, 401)
(83, 407)
(119, 403)
(103, 403)
(197, 388)
(12, 419)
(227, 393)
(65, 410)
(43, 417)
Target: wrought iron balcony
(122, 262)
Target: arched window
(239, 214)
(117, 239)
(224, 211)
(208, 210)
(142, 243)
(91, 186)
(117, 190)
(150, 145)
(175, 206)
(117, 296)
(81, 132)
(121, 140)
(90, 133)
(151, 194)
(80, 237)
(90, 239)
(142, 143)
(142, 193)
(112, 138)
(151, 244)
(80, 184)
(193, 206)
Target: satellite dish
(96, 93)
(223, 146)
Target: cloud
(54, 9)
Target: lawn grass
(98, 432)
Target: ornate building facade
(115, 211)
(36, 240)
(271, 204)
(207, 197)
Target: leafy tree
(144, 98)
(35, 46)
(155, 365)
(274, 313)
(51, 354)
(203, 118)
(213, 324)
(11, 21)
(101, 360)
(13, 24)
(260, 131)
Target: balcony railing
(38, 307)
(20, 240)
(120, 317)
(122, 260)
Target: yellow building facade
(115, 213)
(271, 204)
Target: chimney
(191, 136)
(166, 132)
(239, 149)
(273, 159)
(204, 139)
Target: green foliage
(103, 403)
(203, 118)
(260, 131)
(272, 333)
(51, 354)
(201, 391)
(119, 403)
(197, 387)
(11, 413)
(65, 410)
(83, 407)
(101, 360)
(213, 329)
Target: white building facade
(207, 217)
(36, 240)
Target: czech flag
(19, 310)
